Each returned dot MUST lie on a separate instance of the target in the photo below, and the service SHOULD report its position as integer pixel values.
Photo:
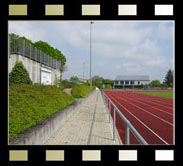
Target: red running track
(151, 116)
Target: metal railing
(129, 127)
(20, 46)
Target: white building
(131, 81)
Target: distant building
(131, 81)
(83, 80)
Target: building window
(132, 82)
(127, 82)
(121, 82)
(116, 82)
(138, 82)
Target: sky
(118, 47)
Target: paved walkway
(89, 125)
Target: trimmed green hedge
(31, 104)
(79, 91)
(19, 74)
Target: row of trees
(168, 81)
(98, 82)
(108, 83)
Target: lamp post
(91, 53)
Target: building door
(45, 76)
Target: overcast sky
(118, 47)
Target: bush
(67, 84)
(108, 86)
(19, 75)
(31, 104)
(79, 91)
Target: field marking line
(168, 107)
(148, 112)
(153, 99)
(142, 123)
(148, 105)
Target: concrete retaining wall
(32, 67)
(41, 132)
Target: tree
(155, 83)
(19, 75)
(108, 81)
(169, 78)
(53, 52)
(74, 78)
(108, 86)
(97, 81)
(43, 46)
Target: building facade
(42, 68)
(131, 81)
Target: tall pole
(83, 69)
(90, 53)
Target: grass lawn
(160, 94)
(31, 104)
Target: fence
(129, 126)
(22, 47)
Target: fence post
(24, 47)
(16, 41)
(114, 123)
(109, 110)
(30, 51)
(105, 103)
(127, 135)
(35, 51)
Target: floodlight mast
(91, 53)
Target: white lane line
(129, 98)
(147, 111)
(142, 122)
(142, 99)
(168, 104)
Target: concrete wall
(40, 133)
(32, 67)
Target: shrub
(68, 84)
(19, 75)
(108, 86)
(80, 90)
(31, 104)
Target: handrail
(129, 126)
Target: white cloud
(165, 31)
(24, 28)
(117, 47)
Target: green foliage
(68, 84)
(169, 78)
(108, 81)
(74, 78)
(164, 85)
(15, 37)
(108, 86)
(155, 83)
(63, 84)
(19, 75)
(53, 52)
(31, 104)
(79, 91)
(171, 85)
(160, 94)
(43, 46)
(97, 81)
